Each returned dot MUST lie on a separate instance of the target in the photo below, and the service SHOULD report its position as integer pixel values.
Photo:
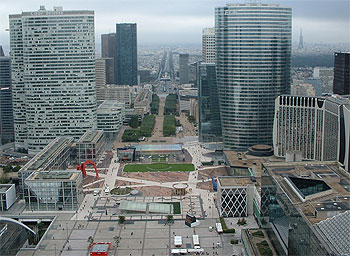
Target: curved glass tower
(253, 49)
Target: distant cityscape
(109, 146)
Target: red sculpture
(82, 167)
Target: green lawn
(159, 167)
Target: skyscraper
(6, 110)
(341, 82)
(209, 109)
(208, 45)
(312, 126)
(53, 67)
(108, 54)
(126, 54)
(253, 49)
(184, 68)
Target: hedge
(224, 227)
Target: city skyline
(323, 21)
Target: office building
(53, 75)
(55, 156)
(305, 207)
(318, 127)
(209, 108)
(126, 54)
(341, 82)
(253, 68)
(235, 196)
(7, 196)
(6, 110)
(208, 45)
(110, 117)
(108, 54)
(183, 68)
(121, 93)
(100, 74)
(185, 95)
(91, 146)
(54, 191)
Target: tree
(121, 219)
(169, 218)
(116, 240)
(134, 121)
(90, 240)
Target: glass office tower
(126, 54)
(209, 109)
(253, 49)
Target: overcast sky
(180, 22)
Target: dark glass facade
(209, 109)
(126, 54)
(108, 54)
(6, 109)
(289, 232)
(184, 68)
(341, 82)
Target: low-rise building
(7, 196)
(55, 156)
(91, 146)
(236, 196)
(121, 93)
(305, 207)
(54, 191)
(142, 102)
(110, 117)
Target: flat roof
(49, 153)
(229, 181)
(55, 175)
(100, 247)
(91, 136)
(5, 187)
(145, 207)
(326, 187)
(158, 147)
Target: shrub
(234, 241)
(258, 234)
(224, 227)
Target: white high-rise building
(253, 49)
(318, 127)
(208, 45)
(54, 76)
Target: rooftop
(145, 207)
(48, 154)
(109, 105)
(55, 175)
(91, 136)
(5, 187)
(158, 147)
(100, 247)
(229, 181)
(315, 188)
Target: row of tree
(170, 104)
(155, 104)
(169, 128)
(146, 128)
